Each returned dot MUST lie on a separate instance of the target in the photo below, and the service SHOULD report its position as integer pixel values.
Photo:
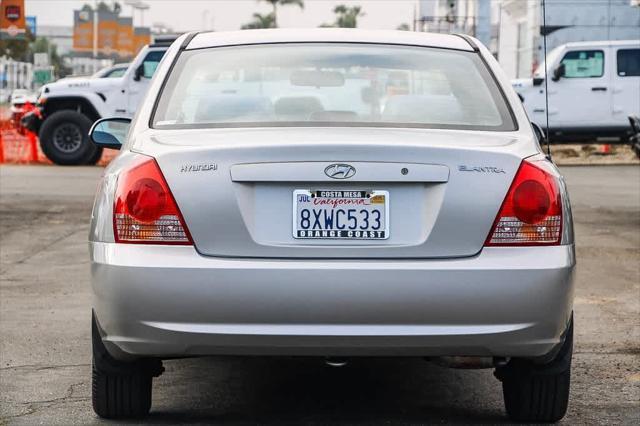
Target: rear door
(626, 84)
(582, 97)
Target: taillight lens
(144, 210)
(531, 213)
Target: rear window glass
(629, 62)
(331, 85)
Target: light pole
(95, 36)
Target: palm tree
(261, 21)
(347, 17)
(276, 3)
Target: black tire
(538, 393)
(119, 389)
(95, 157)
(64, 139)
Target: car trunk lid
(235, 187)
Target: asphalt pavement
(45, 334)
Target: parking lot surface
(45, 328)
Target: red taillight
(531, 213)
(144, 210)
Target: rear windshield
(313, 84)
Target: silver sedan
(331, 193)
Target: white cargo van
(593, 87)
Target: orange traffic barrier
(1, 148)
(605, 149)
(33, 147)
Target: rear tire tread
(538, 392)
(125, 396)
(120, 389)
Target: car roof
(603, 43)
(318, 35)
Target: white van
(594, 87)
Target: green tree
(276, 3)
(261, 21)
(346, 17)
(43, 45)
(17, 49)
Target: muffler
(469, 362)
(336, 362)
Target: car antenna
(546, 76)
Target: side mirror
(540, 135)
(110, 132)
(139, 72)
(558, 73)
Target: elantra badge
(340, 171)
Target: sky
(224, 15)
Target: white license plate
(341, 214)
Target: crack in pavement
(40, 367)
(45, 247)
(35, 406)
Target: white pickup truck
(593, 88)
(67, 108)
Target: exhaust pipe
(336, 362)
(469, 362)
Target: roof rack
(163, 40)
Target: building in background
(14, 75)
(519, 38)
(473, 17)
(447, 16)
(141, 37)
(116, 39)
(513, 29)
(60, 35)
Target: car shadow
(232, 390)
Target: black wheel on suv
(120, 389)
(538, 392)
(64, 139)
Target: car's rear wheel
(536, 392)
(120, 389)
(64, 139)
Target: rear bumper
(169, 301)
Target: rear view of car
(331, 193)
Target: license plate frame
(341, 234)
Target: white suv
(593, 89)
(68, 107)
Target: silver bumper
(170, 301)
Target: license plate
(340, 214)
